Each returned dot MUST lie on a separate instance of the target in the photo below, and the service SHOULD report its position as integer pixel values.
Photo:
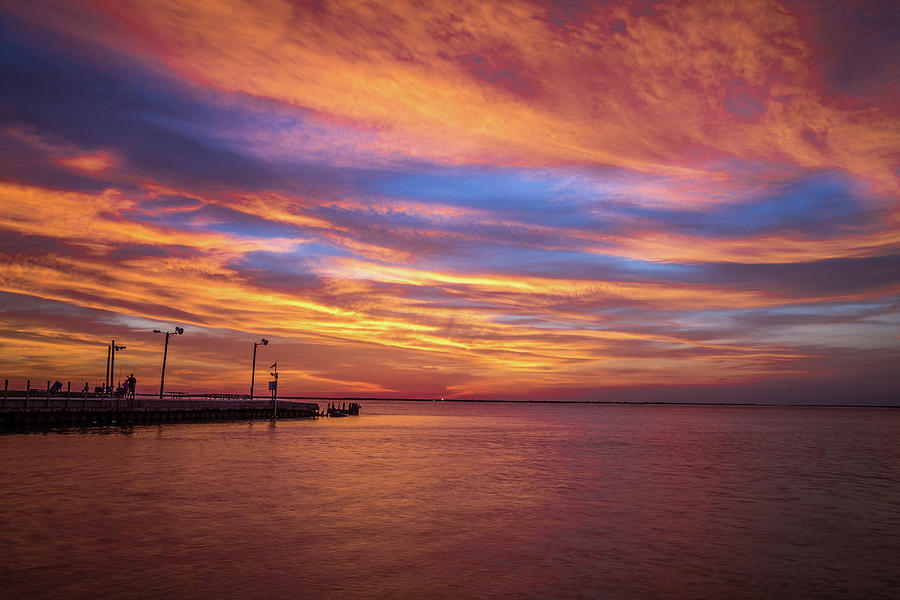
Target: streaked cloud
(477, 199)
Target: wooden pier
(69, 410)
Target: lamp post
(112, 362)
(111, 350)
(263, 342)
(162, 377)
(273, 385)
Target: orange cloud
(91, 164)
(95, 221)
(667, 247)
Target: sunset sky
(514, 200)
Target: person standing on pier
(132, 383)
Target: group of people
(126, 388)
(123, 390)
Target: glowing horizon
(525, 199)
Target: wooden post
(47, 399)
(27, 391)
(84, 393)
(5, 391)
(68, 393)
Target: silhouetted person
(132, 383)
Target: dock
(69, 410)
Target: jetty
(48, 410)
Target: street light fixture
(262, 342)
(162, 377)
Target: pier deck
(62, 411)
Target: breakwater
(72, 411)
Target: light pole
(264, 342)
(111, 350)
(112, 362)
(273, 385)
(162, 377)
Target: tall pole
(275, 393)
(253, 371)
(162, 375)
(108, 358)
(112, 365)
(162, 378)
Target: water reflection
(440, 500)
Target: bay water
(461, 500)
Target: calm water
(446, 500)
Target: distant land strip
(657, 402)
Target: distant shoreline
(38, 394)
(478, 401)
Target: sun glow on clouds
(476, 79)
(480, 199)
